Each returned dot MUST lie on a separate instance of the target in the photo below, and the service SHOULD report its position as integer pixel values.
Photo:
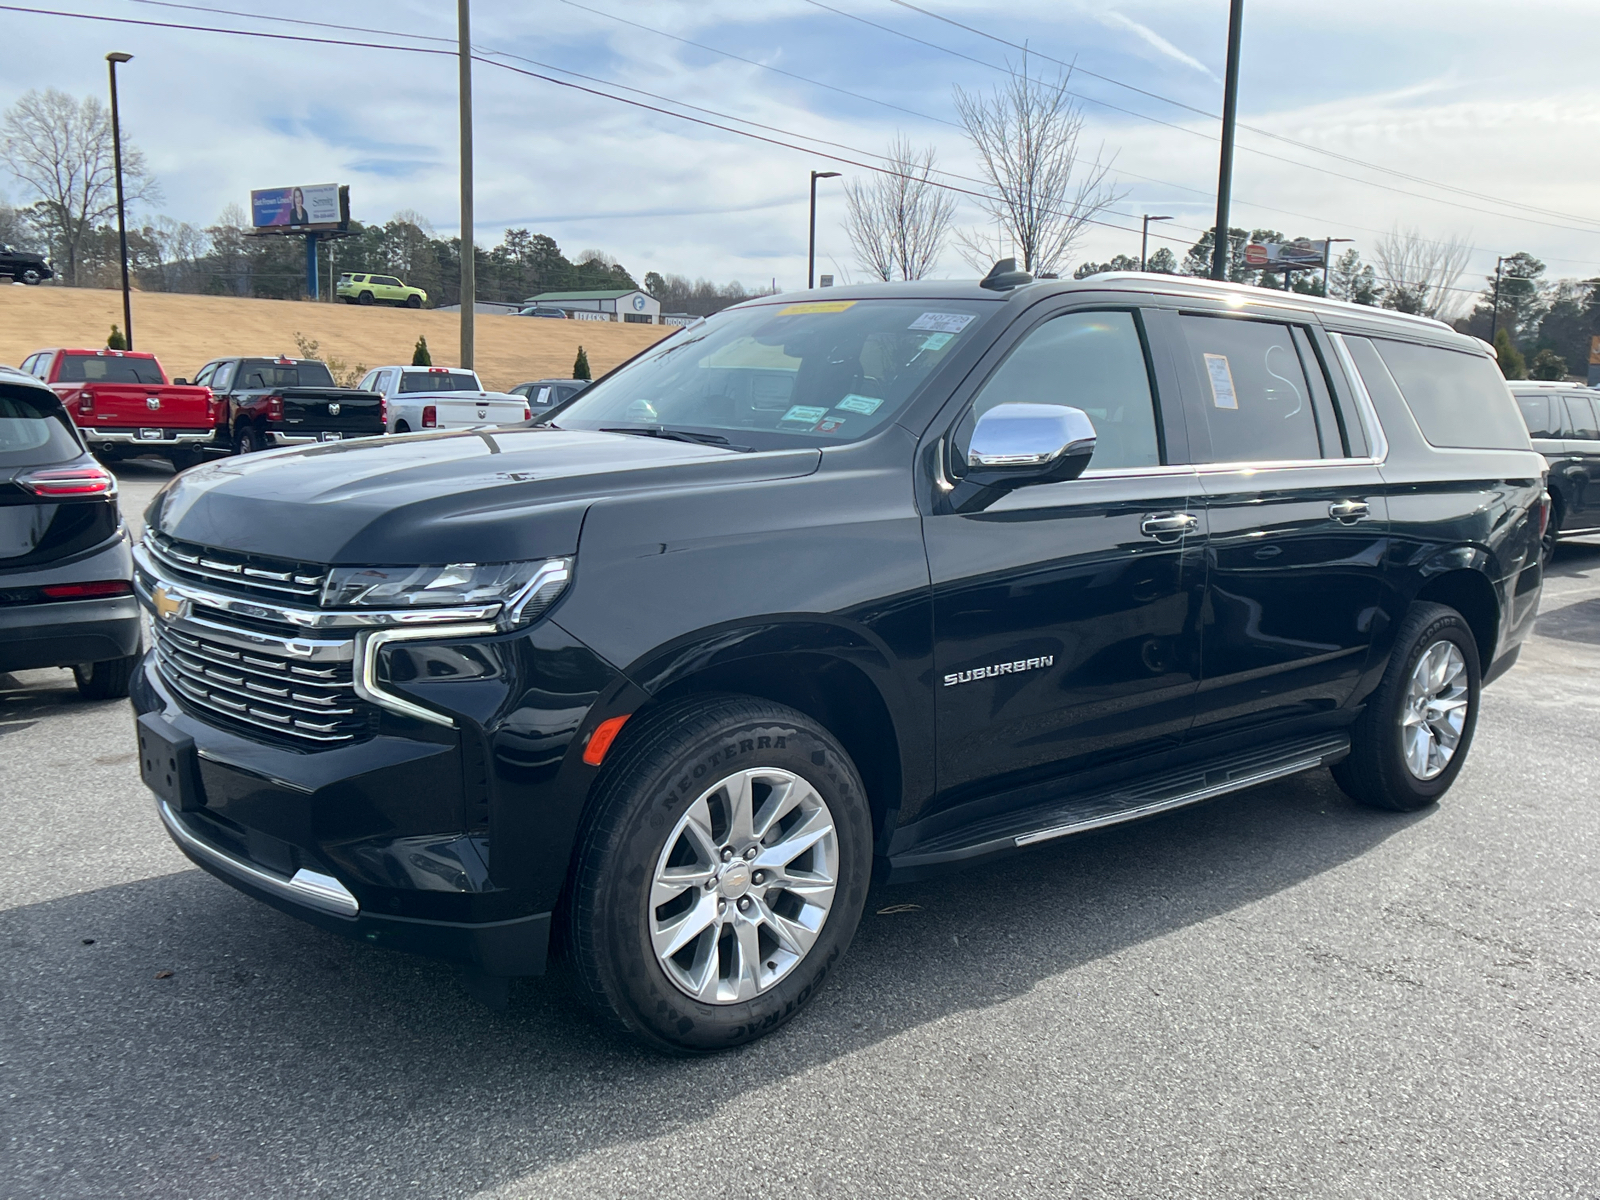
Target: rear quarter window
(1536, 415)
(1460, 400)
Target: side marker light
(600, 740)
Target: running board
(1116, 805)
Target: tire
(413, 301)
(246, 441)
(30, 277)
(105, 680)
(1377, 772)
(402, 427)
(1552, 535)
(182, 460)
(679, 759)
(364, 298)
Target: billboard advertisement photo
(1300, 255)
(309, 205)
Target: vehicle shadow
(276, 1059)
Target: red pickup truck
(124, 405)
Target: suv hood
(481, 495)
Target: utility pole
(1494, 317)
(811, 254)
(112, 59)
(1327, 259)
(1144, 239)
(1230, 112)
(469, 265)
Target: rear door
(1581, 447)
(1296, 515)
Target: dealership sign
(1300, 255)
(308, 206)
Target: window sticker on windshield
(942, 322)
(816, 306)
(1222, 393)
(828, 425)
(936, 341)
(865, 405)
(806, 413)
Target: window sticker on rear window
(816, 306)
(806, 413)
(943, 322)
(865, 405)
(1222, 393)
(936, 341)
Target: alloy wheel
(743, 885)
(1435, 710)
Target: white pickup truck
(441, 398)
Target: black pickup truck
(286, 402)
(23, 266)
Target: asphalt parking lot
(1274, 994)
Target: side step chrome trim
(1195, 797)
(306, 887)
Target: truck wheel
(402, 427)
(105, 680)
(30, 276)
(722, 874)
(1552, 535)
(182, 460)
(246, 441)
(413, 301)
(366, 298)
(1408, 745)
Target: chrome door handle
(1348, 510)
(1168, 525)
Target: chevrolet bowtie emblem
(168, 607)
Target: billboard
(1301, 255)
(309, 206)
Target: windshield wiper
(675, 435)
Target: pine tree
(420, 356)
(1512, 364)
(580, 368)
(116, 341)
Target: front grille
(251, 575)
(261, 689)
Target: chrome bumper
(107, 437)
(314, 890)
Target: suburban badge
(999, 669)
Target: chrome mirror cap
(1030, 435)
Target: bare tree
(61, 148)
(1043, 189)
(897, 220)
(1419, 275)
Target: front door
(1297, 525)
(1066, 615)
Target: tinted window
(268, 373)
(1580, 418)
(1458, 399)
(85, 368)
(1254, 398)
(34, 428)
(206, 372)
(443, 381)
(775, 375)
(1536, 414)
(1093, 361)
(387, 281)
(223, 377)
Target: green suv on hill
(378, 289)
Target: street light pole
(811, 254)
(112, 59)
(469, 264)
(1494, 317)
(1230, 111)
(1327, 260)
(1144, 239)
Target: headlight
(523, 589)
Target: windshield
(818, 372)
(34, 428)
(265, 373)
(86, 368)
(439, 381)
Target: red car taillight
(213, 411)
(383, 410)
(85, 401)
(70, 481)
(527, 411)
(274, 408)
(83, 591)
(430, 417)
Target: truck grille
(304, 703)
(245, 574)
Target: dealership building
(621, 304)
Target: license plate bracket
(168, 763)
(151, 435)
(333, 437)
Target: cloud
(1150, 37)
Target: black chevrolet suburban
(1563, 419)
(861, 584)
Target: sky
(1461, 116)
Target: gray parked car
(545, 394)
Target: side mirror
(1014, 445)
(180, 381)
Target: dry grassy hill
(186, 331)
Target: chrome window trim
(1377, 441)
(369, 642)
(310, 888)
